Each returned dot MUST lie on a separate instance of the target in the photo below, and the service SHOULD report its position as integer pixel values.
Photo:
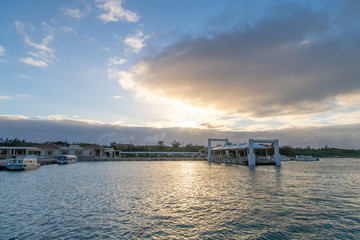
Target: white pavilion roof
(238, 146)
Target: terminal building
(53, 150)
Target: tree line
(176, 146)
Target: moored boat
(285, 158)
(67, 159)
(27, 163)
(306, 158)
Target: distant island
(176, 146)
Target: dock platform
(243, 161)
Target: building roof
(224, 147)
(93, 146)
(238, 146)
(246, 146)
(25, 148)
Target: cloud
(12, 117)
(24, 96)
(16, 96)
(25, 76)
(114, 12)
(5, 97)
(61, 117)
(31, 61)
(73, 12)
(2, 54)
(77, 13)
(282, 64)
(67, 29)
(90, 39)
(116, 61)
(210, 126)
(342, 136)
(2, 51)
(154, 139)
(135, 42)
(43, 54)
(117, 97)
(115, 137)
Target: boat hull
(65, 162)
(32, 166)
(19, 167)
(14, 167)
(62, 163)
(67, 159)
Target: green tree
(175, 144)
(161, 143)
(113, 145)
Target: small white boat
(27, 163)
(306, 158)
(67, 159)
(285, 158)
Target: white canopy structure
(251, 156)
(217, 148)
(217, 140)
(224, 147)
(247, 146)
(238, 147)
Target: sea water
(182, 200)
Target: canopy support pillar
(217, 140)
(252, 157)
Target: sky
(162, 70)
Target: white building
(93, 150)
(53, 150)
(7, 152)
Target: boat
(67, 159)
(285, 158)
(306, 158)
(27, 163)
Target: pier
(215, 154)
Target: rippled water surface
(182, 200)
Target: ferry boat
(67, 159)
(306, 158)
(27, 163)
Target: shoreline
(50, 161)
